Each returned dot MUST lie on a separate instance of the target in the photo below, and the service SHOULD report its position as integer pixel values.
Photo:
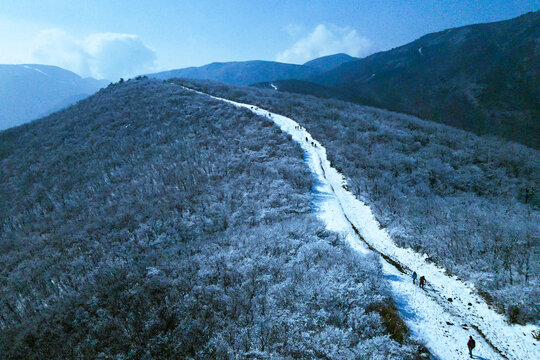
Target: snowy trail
(441, 317)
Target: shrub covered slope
(151, 222)
(468, 202)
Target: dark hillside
(304, 87)
(483, 78)
(469, 203)
(327, 63)
(241, 72)
(256, 71)
(149, 222)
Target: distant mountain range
(31, 91)
(251, 72)
(483, 78)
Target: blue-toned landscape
(358, 191)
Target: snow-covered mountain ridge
(464, 201)
(444, 314)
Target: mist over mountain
(256, 71)
(31, 91)
(484, 78)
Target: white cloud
(102, 55)
(56, 47)
(118, 54)
(294, 30)
(324, 41)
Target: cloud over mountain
(326, 40)
(100, 55)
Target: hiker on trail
(471, 344)
(422, 281)
(414, 276)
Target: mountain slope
(303, 87)
(31, 91)
(241, 72)
(147, 221)
(484, 78)
(428, 312)
(327, 63)
(467, 202)
(257, 71)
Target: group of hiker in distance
(471, 344)
(422, 281)
(298, 127)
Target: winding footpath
(444, 314)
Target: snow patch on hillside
(39, 71)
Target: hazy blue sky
(108, 38)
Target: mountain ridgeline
(31, 91)
(327, 63)
(251, 72)
(483, 78)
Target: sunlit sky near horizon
(110, 39)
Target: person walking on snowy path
(471, 344)
(414, 276)
(422, 281)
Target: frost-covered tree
(151, 222)
(468, 202)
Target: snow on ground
(273, 86)
(444, 314)
(39, 71)
(420, 51)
